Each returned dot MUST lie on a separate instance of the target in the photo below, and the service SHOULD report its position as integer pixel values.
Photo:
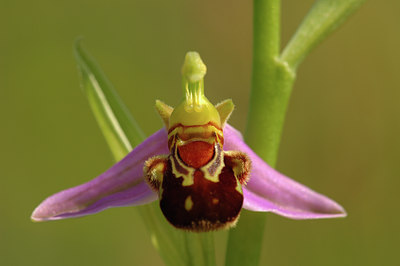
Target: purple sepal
(122, 185)
(270, 191)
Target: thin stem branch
(323, 18)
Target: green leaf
(323, 18)
(122, 134)
(121, 131)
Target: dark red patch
(196, 153)
(215, 205)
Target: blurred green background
(341, 136)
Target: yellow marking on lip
(188, 179)
(239, 187)
(188, 203)
(219, 158)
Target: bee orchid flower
(198, 167)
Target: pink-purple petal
(124, 185)
(121, 185)
(270, 191)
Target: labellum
(198, 183)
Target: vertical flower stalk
(270, 91)
(273, 75)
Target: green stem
(272, 81)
